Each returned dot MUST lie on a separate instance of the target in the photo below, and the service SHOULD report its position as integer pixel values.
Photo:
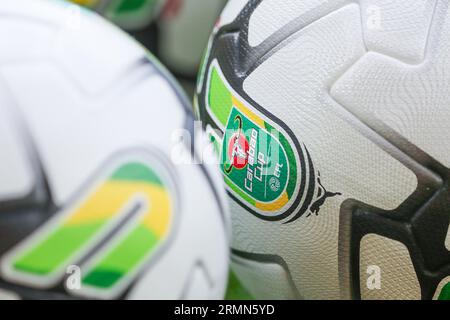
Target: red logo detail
(238, 150)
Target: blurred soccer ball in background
(184, 29)
(175, 30)
(91, 203)
(127, 14)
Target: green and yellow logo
(255, 163)
(112, 232)
(266, 170)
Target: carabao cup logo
(255, 162)
(266, 170)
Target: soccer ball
(331, 119)
(93, 203)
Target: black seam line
(356, 204)
(414, 239)
(291, 32)
(430, 29)
(165, 74)
(379, 139)
(365, 129)
(198, 264)
(130, 73)
(133, 75)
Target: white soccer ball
(332, 118)
(92, 202)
